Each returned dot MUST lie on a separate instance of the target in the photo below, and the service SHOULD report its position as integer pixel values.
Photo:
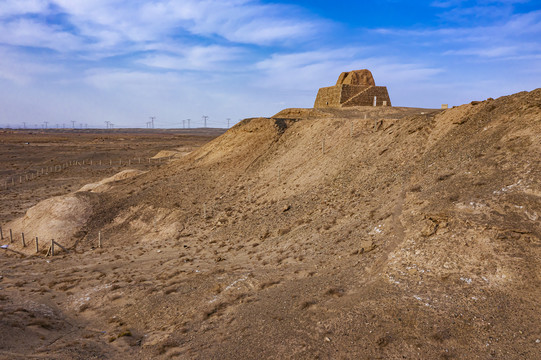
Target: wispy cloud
(110, 23)
(499, 40)
(28, 32)
(18, 7)
(206, 58)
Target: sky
(83, 63)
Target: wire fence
(39, 172)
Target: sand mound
(106, 184)
(301, 113)
(165, 154)
(58, 218)
(406, 214)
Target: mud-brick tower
(353, 88)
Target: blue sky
(91, 61)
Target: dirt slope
(408, 234)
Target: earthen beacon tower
(353, 88)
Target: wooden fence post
(37, 245)
(10, 236)
(22, 237)
(52, 247)
(1, 234)
(60, 246)
(99, 239)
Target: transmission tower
(205, 118)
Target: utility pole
(107, 124)
(45, 122)
(184, 124)
(73, 124)
(189, 123)
(152, 120)
(24, 125)
(228, 119)
(205, 117)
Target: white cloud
(19, 7)
(495, 41)
(487, 52)
(27, 32)
(205, 58)
(241, 21)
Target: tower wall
(353, 88)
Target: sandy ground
(402, 234)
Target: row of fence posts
(57, 168)
(50, 251)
